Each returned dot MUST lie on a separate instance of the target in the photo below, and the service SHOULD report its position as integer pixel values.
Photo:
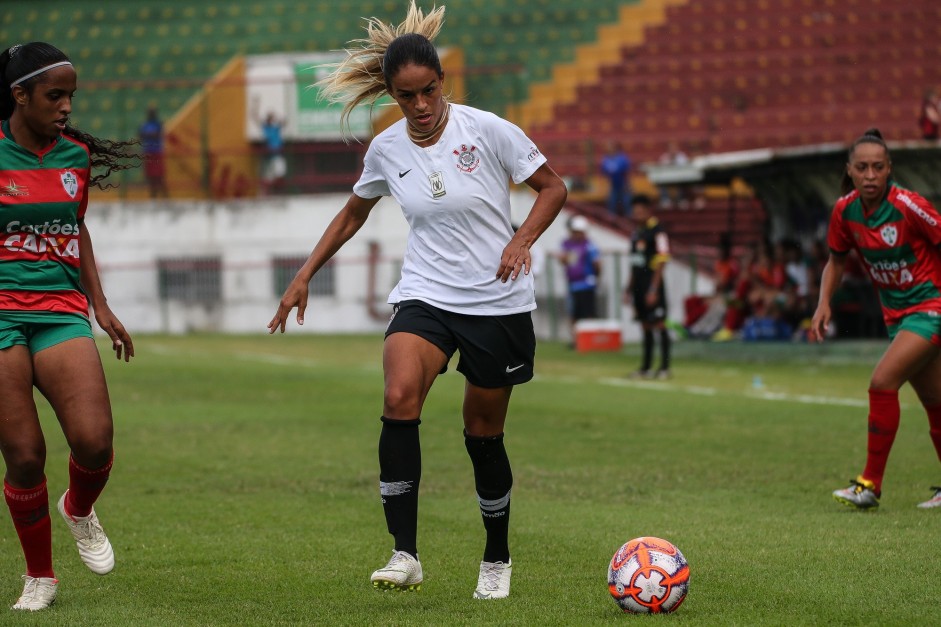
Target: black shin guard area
(399, 476)
(494, 480)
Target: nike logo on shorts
(401, 174)
(509, 370)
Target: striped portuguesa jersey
(43, 198)
(898, 244)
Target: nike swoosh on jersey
(401, 174)
(509, 370)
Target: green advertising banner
(319, 119)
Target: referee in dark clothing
(650, 251)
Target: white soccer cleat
(860, 494)
(494, 580)
(93, 545)
(934, 501)
(38, 593)
(403, 572)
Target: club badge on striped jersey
(889, 234)
(69, 183)
(437, 185)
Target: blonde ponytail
(366, 72)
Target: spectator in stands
(726, 267)
(767, 325)
(274, 166)
(705, 315)
(616, 166)
(770, 295)
(150, 135)
(738, 305)
(673, 155)
(673, 195)
(582, 262)
(650, 252)
(768, 302)
(897, 234)
(798, 308)
(465, 283)
(800, 282)
(49, 278)
(768, 277)
(930, 118)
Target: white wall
(130, 237)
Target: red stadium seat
(730, 75)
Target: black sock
(494, 480)
(664, 349)
(399, 475)
(648, 350)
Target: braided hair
(23, 59)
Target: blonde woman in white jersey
(465, 286)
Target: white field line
(659, 386)
(653, 385)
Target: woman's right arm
(829, 282)
(344, 226)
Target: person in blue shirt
(151, 140)
(274, 166)
(616, 166)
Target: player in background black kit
(650, 251)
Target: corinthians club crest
(69, 183)
(889, 234)
(467, 158)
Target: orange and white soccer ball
(648, 576)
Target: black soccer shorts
(496, 351)
(649, 314)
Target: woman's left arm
(120, 339)
(550, 196)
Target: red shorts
(154, 166)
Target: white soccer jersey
(455, 196)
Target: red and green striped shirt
(898, 243)
(43, 198)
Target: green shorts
(38, 331)
(923, 324)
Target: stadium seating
(716, 76)
(152, 52)
(731, 75)
(736, 74)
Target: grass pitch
(245, 491)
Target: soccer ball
(648, 576)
